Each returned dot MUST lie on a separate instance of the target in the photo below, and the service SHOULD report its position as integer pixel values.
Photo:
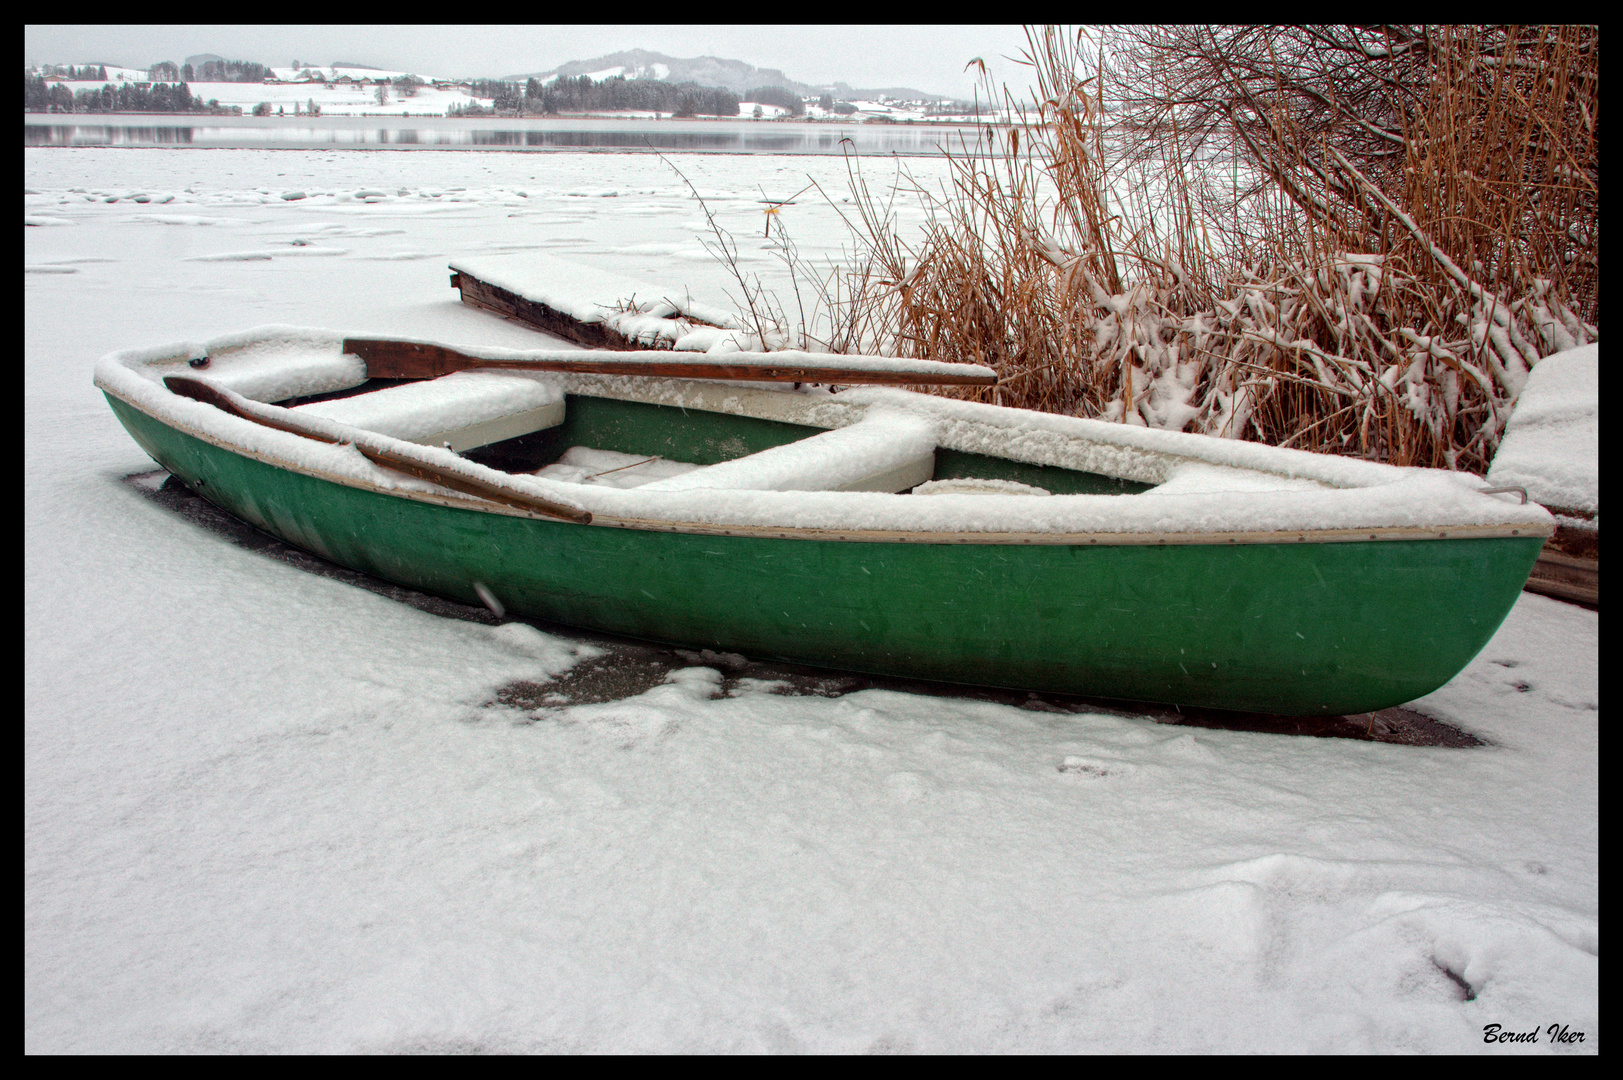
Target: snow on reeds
(1257, 275)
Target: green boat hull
(1290, 628)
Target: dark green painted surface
(705, 438)
(690, 435)
(1287, 628)
(952, 464)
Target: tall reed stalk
(1258, 272)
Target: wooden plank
(481, 294)
(533, 313)
(1065, 539)
(1564, 577)
(1556, 559)
(1569, 567)
(1589, 596)
(391, 359)
(1575, 542)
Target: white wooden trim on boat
(445, 497)
(1147, 456)
(1074, 539)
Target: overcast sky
(928, 58)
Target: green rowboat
(872, 529)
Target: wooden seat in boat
(888, 452)
(461, 411)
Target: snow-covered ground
(268, 811)
(333, 99)
(360, 99)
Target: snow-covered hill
(734, 75)
(344, 89)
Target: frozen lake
(267, 810)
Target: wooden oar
(209, 394)
(390, 359)
(457, 482)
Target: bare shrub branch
(1350, 239)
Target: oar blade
(389, 359)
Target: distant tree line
(779, 96)
(265, 108)
(503, 95)
(88, 73)
(40, 96)
(583, 95)
(239, 71)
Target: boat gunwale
(447, 498)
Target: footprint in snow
(1091, 768)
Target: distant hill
(734, 75)
(708, 71)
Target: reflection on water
(88, 135)
(691, 136)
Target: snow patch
(1552, 442)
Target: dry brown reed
(1377, 283)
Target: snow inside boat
(873, 529)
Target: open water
(558, 133)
